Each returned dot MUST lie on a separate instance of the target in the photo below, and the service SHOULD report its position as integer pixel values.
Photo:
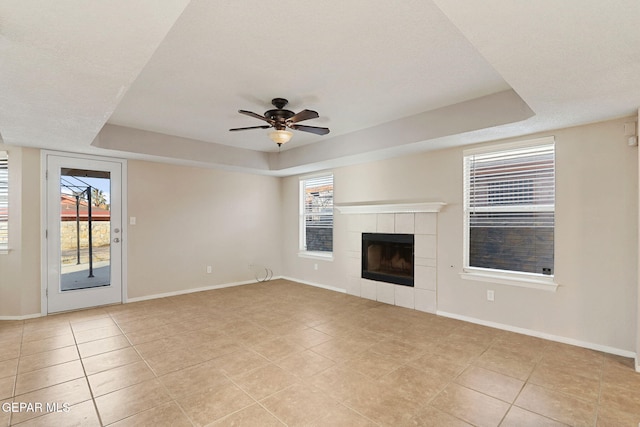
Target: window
(4, 201)
(509, 206)
(316, 215)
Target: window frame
(302, 227)
(4, 219)
(490, 275)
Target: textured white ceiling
(65, 65)
(165, 80)
(358, 63)
(572, 61)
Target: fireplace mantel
(391, 207)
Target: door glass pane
(85, 229)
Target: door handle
(116, 240)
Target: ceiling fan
(281, 119)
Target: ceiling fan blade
(304, 115)
(251, 127)
(254, 115)
(311, 129)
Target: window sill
(327, 256)
(522, 281)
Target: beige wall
(596, 236)
(188, 218)
(20, 269)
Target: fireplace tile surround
(423, 296)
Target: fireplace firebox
(388, 258)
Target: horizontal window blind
(318, 202)
(4, 200)
(509, 203)
(316, 214)
(514, 188)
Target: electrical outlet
(208, 269)
(315, 266)
(491, 295)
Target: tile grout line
(15, 380)
(524, 383)
(42, 388)
(600, 379)
(156, 377)
(452, 381)
(251, 397)
(543, 358)
(86, 377)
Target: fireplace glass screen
(388, 258)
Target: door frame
(637, 358)
(44, 219)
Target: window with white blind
(316, 215)
(509, 207)
(4, 202)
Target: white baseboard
(317, 285)
(530, 332)
(538, 334)
(524, 331)
(150, 297)
(25, 317)
(228, 285)
(189, 291)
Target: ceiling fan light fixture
(280, 136)
(281, 119)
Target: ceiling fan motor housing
(281, 119)
(279, 116)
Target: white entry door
(84, 232)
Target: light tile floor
(282, 353)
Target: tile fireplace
(416, 219)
